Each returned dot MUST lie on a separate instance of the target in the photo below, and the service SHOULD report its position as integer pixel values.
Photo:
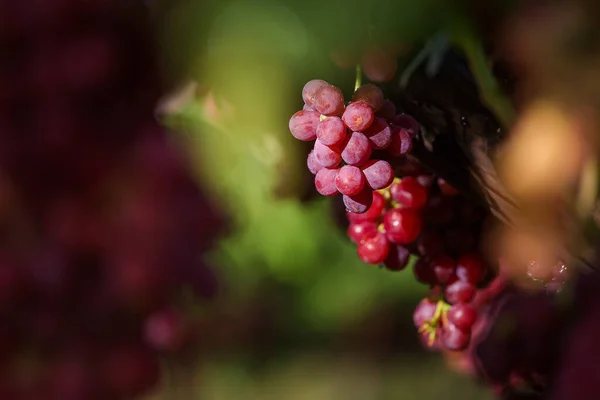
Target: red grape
(359, 203)
(400, 141)
(331, 131)
(409, 193)
(310, 89)
(424, 312)
(397, 258)
(358, 116)
(378, 173)
(359, 230)
(312, 163)
(373, 249)
(329, 100)
(407, 122)
(387, 111)
(402, 226)
(423, 272)
(303, 125)
(379, 133)
(379, 65)
(325, 181)
(453, 338)
(349, 180)
(328, 157)
(459, 292)
(463, 316)
(369, 94)
(357, 149)
(375, 210)
(443, 268)
(470, 268)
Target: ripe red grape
(459, 292)
(331, 131)
(375, 210)
(357, 149)
(312, 163)
(373, 249)
(310, 89)
(470, 268)
(359, 230)
(463, 316)
(325, 181)
(349, 180)
(407, 122)
(387, 111)
(424, 312)
(369, 94)
(397, 258)
(328, 157)
(453, 338)
(378, 173)
(402, 226)
(358, 116)
(329, 100)
(303, 125)
(423, 272)
(409, 193)
(359, 203)
(379, 133)
(400, 141)
(443, 268)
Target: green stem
(358, 80)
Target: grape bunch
(102, 223)
(347, 136)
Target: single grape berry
(357, 231)
(312, 163)
(357, 149)
(423, 272)
(369, 94)
(329, 157)
(424, 312)
(453, 338)
(358, 116)
(443, 268)
(387, 111)
(325, 181)
(303, 125)
(463, 316)
(373, 213)
(459, 292)
(359, 203)
(379, 65)
(402, 226)
(397, 258)
(400, 141)
(349, 180)
(379, 133)
(373, 249)
(329, 100)
(310, 89)
(470, 268)
(409, 193)
(331, 131)
(407, 122)
(378, 173)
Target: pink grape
(369, 94)
(329, 100)
(312, 163)
(378, 173)
(400, 141)
(310, 89)
(357, 231)
(306, 107)
(459, 292)
(407, 122)
(325, 181)
(373, 249)
(424, 312)
(331, 131)
(349, 180)
(374, 212)
(359, 203)
(303, 125)
(453, 338)
(443, 267)
(358, 116)
(379, 133)
(327, 156)
(357, 149)
(387, 111)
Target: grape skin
(378, 173)
(310, 89)
(357, 149)
(359, 203)
(387, 111)
(312, 163)
(327, 156)
(373, 249)
(325, 181)
(375, 210)
(358, 116)
(398, 258)
(331, 131)
(369, 94)
(402, 226)
(463, 316)
(379, 133)
(303, 125)
(409, 193)
(329, 100)
(350, 180)
(400, 141)
(357, 231)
